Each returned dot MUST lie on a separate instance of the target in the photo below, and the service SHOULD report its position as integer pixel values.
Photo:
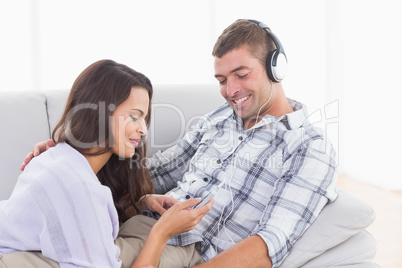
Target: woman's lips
(135, 142)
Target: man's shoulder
(223, 112)
(224, 109)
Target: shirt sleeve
(168, 167)
(304, 188)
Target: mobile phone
(208, 197)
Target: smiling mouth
(239, 101)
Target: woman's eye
(134, 118)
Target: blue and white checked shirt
(277, 177)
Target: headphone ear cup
(276, 66)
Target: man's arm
(168, 167)
(38, 148)
(250, 250)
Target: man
(274, 171)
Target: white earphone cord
(234, 171)
(258, 114)
(270, 96)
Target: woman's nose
(143, 129)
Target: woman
(71, 200)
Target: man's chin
(238, 112)
(247, 119)
(241, 115)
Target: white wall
(344, 58)
(364, 70)
(16, 45)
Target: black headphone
(277, 62)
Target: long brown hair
(84, 125)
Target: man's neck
(279, 107)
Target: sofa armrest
(337, 222)
(357, 251)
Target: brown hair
(84, 125)
(244, 32)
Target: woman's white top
(59, 207)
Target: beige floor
(387, 228)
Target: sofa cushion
(23, 123)
(337, 222)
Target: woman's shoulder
(61, 162)
(61, 173)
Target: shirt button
(240, 138)
(205, 179)
(218, 161)
(188, 196)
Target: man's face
(244, 83)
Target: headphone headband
(276, 63)
(275, 39)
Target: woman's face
(128, 122)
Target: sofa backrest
(28, 117)
(176, 109)
(23, 122)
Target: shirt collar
(297, 118)
(293, 120)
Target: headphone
(276, 63)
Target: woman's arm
(178, 219)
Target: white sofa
(337, 238)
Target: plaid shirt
(276, 177)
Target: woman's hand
(181, 218)
(156, 203)
(38, 148)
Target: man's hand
(156, 203)
(38, 148)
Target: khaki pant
(131, 239)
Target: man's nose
(232, 88)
